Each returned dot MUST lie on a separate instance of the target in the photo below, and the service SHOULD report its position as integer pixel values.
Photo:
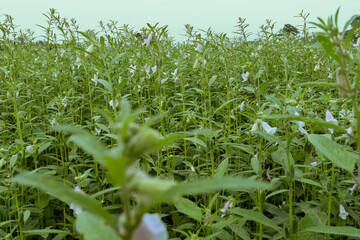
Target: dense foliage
(253, 109)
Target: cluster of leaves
(210, 88)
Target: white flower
(95, 79)
(132, 69)
(97, 131)
(196, 64)
(267, 128)
(199, 47)
(225, 208)
(343, 214)
(112, 104)
(78, 62)
(53, 122)
(314, 164)
(330, 75)
(245, 76)
(168, 54)
(29, 148)
(64, 102)
(75, 207)
(241, 106)
(147, 70)
(352, 190)
(150, 228)
(301, 125)
(174, 74)
(148, 40)
(349, 130)
(330, 119)
(154, 69)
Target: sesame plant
(122, 134)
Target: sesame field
(119, 134)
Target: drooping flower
(95, 79)
(199, 47)
(242, 105)
(148, 40)
(267, 128)
(153, 69)
(330, 119)
(53, 122)
(314, 164)
(175, 74)
(349, 131)
(132, 69)
(75, 207)
(343, 214)
(78, 62)
(150, 228)
(29, 149)
(301, 125)
(65, 102)
(98, 131)
(168, 54)
(352, 190)
(113, 104)
(225, 208)
(245, 76)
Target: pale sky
(220, 15)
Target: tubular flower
(330, 119)
(75, 207)
(267, 128)
(245, 76)
(343, 214)
(150, 228)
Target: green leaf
(26, 215)
(189, 208)
(116, 58)
(221, 170)
(350, 34)
(212, 80)
(197, 141)
(44, 146)
(44, 232)
(94, 228)
(223, 105)
(333, 151)
(106, 84)
(329, 47)
(63, 192)
(206, 186)
(269, 137)
(318, 84)
(13, 160)
(115, 164)
(257, 217)
(344, 231)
